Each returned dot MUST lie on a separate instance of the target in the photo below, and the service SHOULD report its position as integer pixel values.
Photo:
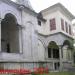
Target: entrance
(9, 34)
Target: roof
(18, 4)
(40, 16)
(60, 7)
(26, 3)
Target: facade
(57, 37)
(74, 40)
(28, 39)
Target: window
(39, 22)
(56, 53)
(53, 53)
(9, 27)
(70, 29)
(52, 24)
(49, 52)
(66, 27)
(8, 48)
(56, 65)
(62, 24)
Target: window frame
(39, 22)
(62, 24)
(66, 26)
(52, 24)
(70, 31)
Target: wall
(54, 13)
(46, 26)
(62, 16)
(41, 51)
(27, 36)
(5, 8)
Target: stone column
(46, 53)
(60, 56)
(20, 40)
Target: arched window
(9, 34)
(67, 50)
(53, 50)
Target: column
(46, 52)
(51, 53)
(21, 38)
(60, 56)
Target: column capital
(60, 46)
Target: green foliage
(59, 73)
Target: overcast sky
(39, 5)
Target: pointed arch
(9, 34)
(53, 50)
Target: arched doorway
(53, 50)
(9, 34)
(67, 50)
(53, 54)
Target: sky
(39, 5)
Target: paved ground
(72, 70)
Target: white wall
(30, 49)
(41, 51)
(5, 8)
(62, 16)
(28, 38)
(45, 28)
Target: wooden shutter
(52, 24)
(70, 30)
(66, 26)
(62, 24)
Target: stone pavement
(71, 69)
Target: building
(56, 35)
(74, 40)
(29, 40)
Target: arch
(29, 22)
(42, 42)
(41, 50)
(9, 19)
(9, 11)
(32, 25)
(9, 34)
(53, 50)
(13, 11)
(53, 44)
(67, 48)
(68, 43)
(29, 26)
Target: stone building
(28, 39)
